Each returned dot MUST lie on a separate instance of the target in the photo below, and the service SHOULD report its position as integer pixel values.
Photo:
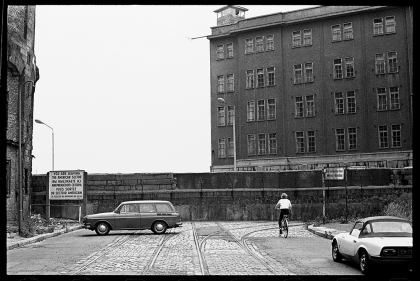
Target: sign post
(331, 174)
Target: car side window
(356, 229)
(163, 208)
(367, 229)
(130, 208)
(146, 208)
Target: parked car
(380, 240)
(155, 215)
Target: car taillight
(389, 252)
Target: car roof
(145, 201)
(381, 218)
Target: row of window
(344, 103)
(304, 72)
(339, 32)
(266, 144)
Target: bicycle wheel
(286, 228)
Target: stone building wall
(21, 68)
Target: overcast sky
(124, 88)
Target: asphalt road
(197, 248)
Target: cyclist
(285, 207)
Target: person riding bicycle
(285, 207)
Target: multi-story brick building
(22, 74)
(312, 88)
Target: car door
(147, 215)
(349, 242)
(128, 217)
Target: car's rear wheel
(337, 257)
(102, 228)
(159, 227)
(364, 262)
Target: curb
(40, 237)
(324, 232)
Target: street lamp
(234, 135)
(20, 213)
(40, 122)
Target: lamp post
(20, 213)
(234, 135)
(40, 122)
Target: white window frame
(394, 98)
(309, 72)
(220, 52)
(300, 141)
(262, 144)
(260, 77)
(307, 37)
(251, 144)
(230, 82)
(261, 114)
(250, 112)
(259, 44)
(390, 25)
(271, 109)
(338, 69)
(249, 45)
(272, 143)
(221, 84)
(250, 79)
(349, 67)
(339, 103)
(271, 71)
(336, 33)
(347, 31)
(383, 136)
(230, 148)
(378, 27)
(396, 135)
(221, 148)
(340, 139)
(351, 102)
(297, 74)
(221, 116)
(311, 141)
(310, 105)
(230, 114)
(382, 99)
(352, 138)
(380, 64)
(392, 62)
(269, 42)
(229, 50)
(296, 39)
(299, 107)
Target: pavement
(327, 231)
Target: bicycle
(285, 226)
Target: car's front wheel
(159, 227)
(364, 262)
(102, 228)
(337, 257)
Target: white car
(380, 240)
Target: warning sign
(66, 185)
(334, 173)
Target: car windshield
(391, 228)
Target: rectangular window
(221, 116)
(271, 109)
(220, 84)
(250, 111)
(300, 142)
(336, 32)
(348, 31)
(311, 141)
(296, 39)
(339, 140)
(260, 77)
(396, 135)
(392, 62)
(382, 100)
(229, 49)
(269, 43)
(309, 72)
(378, 26)
(272, 143)
(307, 37)
(251, 144)
(380, 64)
(298, 107)
(249, 46)
(390, 24)
(261, 110)
(220, 53)
(297, 71)
(230, 147)
(222, 148)
(383, 136)
(349, 64)
(310, 106)
(338, 69)
(339, 103)
(249, 79)
(271, 76)
(394, 98)
(261, 144)
(259, 44)
(231, 115)
(351, 102)
(352, 133)
(230, 83)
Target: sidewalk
(20, 241)
(329, 230)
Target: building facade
(307, 89)
(22, 75)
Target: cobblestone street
(197, 248)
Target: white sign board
(334, 173)
(66, 185)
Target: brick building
(325, 86)
(22, 74)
